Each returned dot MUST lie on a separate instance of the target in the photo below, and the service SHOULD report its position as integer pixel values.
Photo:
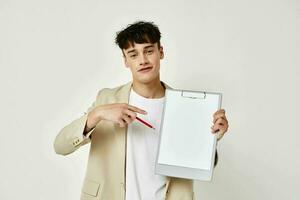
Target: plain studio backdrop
(56, 55)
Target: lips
(145, 69)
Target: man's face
(143, 61)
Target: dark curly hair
(138, 32)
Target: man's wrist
(93, 119)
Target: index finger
(219, 111)
(136, 109)
(218, 116)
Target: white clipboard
(186, 145)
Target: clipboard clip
(192, 95)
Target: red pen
(149, 125)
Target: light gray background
(55, 55)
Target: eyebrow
(146, 47)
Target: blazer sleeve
(217, 156)
(71, 137)
(216, 159)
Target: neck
(152, 90)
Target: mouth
(145, 69)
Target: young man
(122, 152)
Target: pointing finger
(136, 109)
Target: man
(122, 152)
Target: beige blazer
(105, 176)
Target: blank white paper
(186, 138)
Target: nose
(143, 59)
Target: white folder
(186, 145)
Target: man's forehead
(136, 46)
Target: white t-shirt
(142, 145)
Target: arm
(75, 134)
(79, 131)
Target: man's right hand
(120, 113)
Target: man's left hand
(220, 122)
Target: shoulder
(114, 90)
(109, 94)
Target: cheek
(131, 64)
(155, 60)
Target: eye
(150, 51)
(133, 55)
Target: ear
(125, 61)
(161, 52)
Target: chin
(145, 80)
